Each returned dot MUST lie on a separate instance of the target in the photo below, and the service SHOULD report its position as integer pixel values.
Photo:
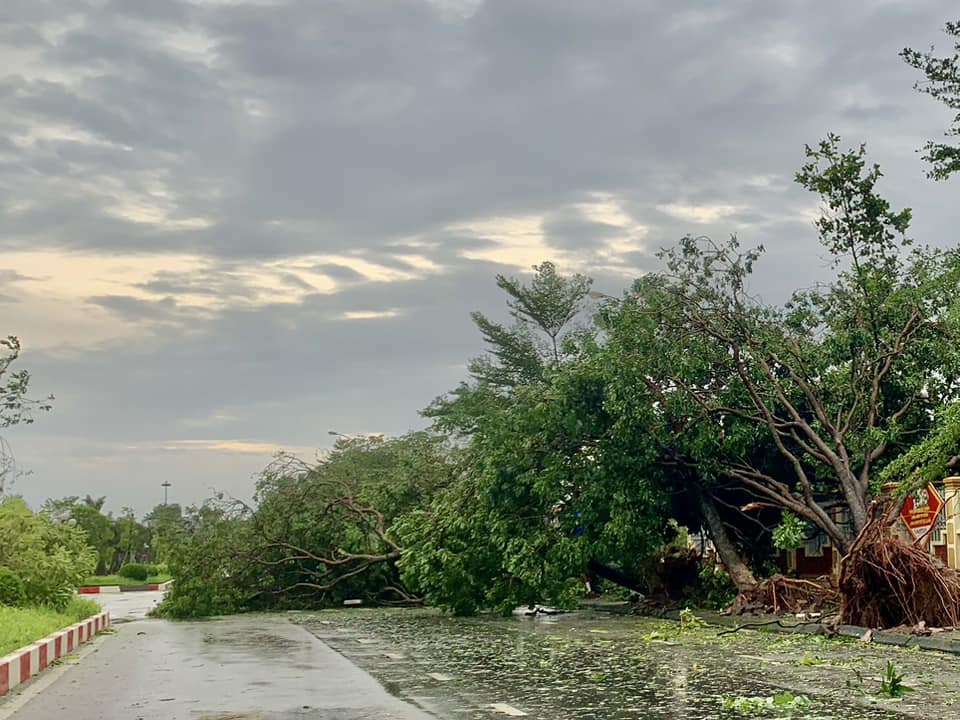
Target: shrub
(194, 598)
(135, 571)
(12, 592)
(51, 558)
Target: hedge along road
(252, 666)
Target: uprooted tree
(842, 379)
(578, 437)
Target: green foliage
(576, 438)
(465, 556)
(101, 533)
(116, 540)
(165, 523)
(211, 576)
(196, 598)
(930, 460)
(891, 683)
(51, 558)
(857, 222)
(689, 621)
(751, 705)
(548, 486)
(803, 404)
(20, 626)
(546, 491)
(714, 590)
(542, 312)
(12, 591)
(15, 407)
(942, 82)
(319, 534)
(788, 534)
(135, 571)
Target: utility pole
(165, 484)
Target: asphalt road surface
(127, 606)
(253, 667)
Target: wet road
(237, 668)
(129, 605)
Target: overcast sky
(228, 227)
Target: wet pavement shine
(240, 668)
(126, 606)
(596, 666)
(417, 664)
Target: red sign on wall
(920, 510)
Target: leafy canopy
(942, 83)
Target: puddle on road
(260, 643)
(604, 667)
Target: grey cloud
(520, 108)
(370, 128)
(133, 308)
(570, 229)
(297, 282)
(9, 275)
(337, 272)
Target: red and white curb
(97, 589)
(21, 665)
(102, 589)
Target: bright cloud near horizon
(228, 227)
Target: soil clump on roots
(886, 583)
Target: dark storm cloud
(387, 119)
(260, 132)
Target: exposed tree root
(779, 594)
(886, 583)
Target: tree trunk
(736, 568)
(614, 575)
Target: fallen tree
(885, 582)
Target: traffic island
(21, 665)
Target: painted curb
(100, 589)
(21, 665)
(97, 589)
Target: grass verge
(124, 581)
(22, 626)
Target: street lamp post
(165, 484)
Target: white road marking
(505, 709)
